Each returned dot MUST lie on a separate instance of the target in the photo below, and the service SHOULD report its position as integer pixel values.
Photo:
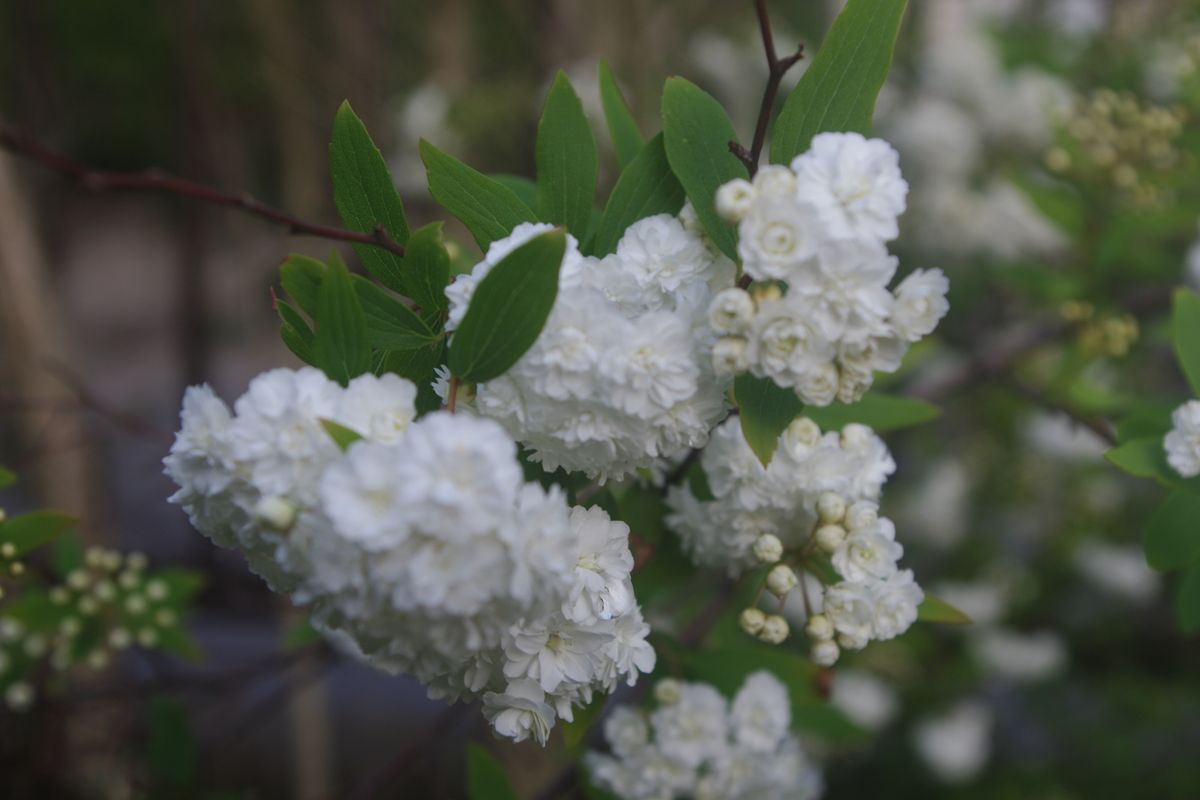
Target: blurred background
(1051, 148)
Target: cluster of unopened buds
(1105, 334)
(874, 599)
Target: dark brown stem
(452, 395)
(152, 180)
(776, 68)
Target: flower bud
(135, 604)
(97, 659)
(3, 515)
(852, 642)
(768, 549)
(861, 516)
(668, 691)
(775, 630)
(119, 638)
(830, 537)
(105, 591)
(59, 596)
(137, 561)
(775, 180)
(729, 355)
(731, 311)
(157, 590)
(825, 653)
(276, 513)
(147, 637)
(78, 580)
(781, 580)
(831, 508)
(36, 645)
(752, 620)
(19, 696)
(819, 628)
(128, 580)
(802, 434)
(735, 199)
(8, 549)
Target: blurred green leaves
(489, 209)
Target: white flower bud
(830, 537)
(88, 606)
(802, 434)
(97, 659)
(94, 557)
(10, 630)
(752, 620)
(105, 591)
(119, 638)
(36, 645)
(276, 513)
(157, 590)
(70, 626)
(768, 549)
(112, 560)
(775, 630)
(819, 628)
(735, 199)
(861, 516)
(19, 696)
(731, 311)
(59, 596)
(8, 549)
(781, 580)
(165, 617)
(78, 580)
(135, 604)
(856, 435)
(825, 653)
(137, 560)
(668, 691)
(729, 355)
(147, 637)
(831, 508)
(852, 642)
(128, 580)
(775, 180)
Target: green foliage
(622, 127)
(576, 730)
(26, 532)
(365, 196)
(508, 309)
(342, 436)
(299, 635)
(646, 187)
(301, 278)
(418, 367)
(171, 747)
(1185, 328)
(295, 332)
(486, 779)
(883, 412)
(567, 162)
(764, 410)
(488, 209)
(935, 609)
(428, 270)
(697, 133)
(838, 91)
(341, 346)
(391, 325)
(7, 478)
(1173, 540)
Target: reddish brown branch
(152, 180)
(776, 68)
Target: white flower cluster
(420, 546)
(780, 500)
(1183, 441)
(621, 375)
(821, 228)
(697, 745)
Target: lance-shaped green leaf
(488, 209)
(622, 127)
(883, 412)
(646, 187)
(837, 92)
(391, 325)
(340, 346)
(301, 279)
(342, 436)
(521, 186)
(27, 532)
(1185, 329)
(573, 732)
(365, 196)
(935, 609)
(486, 779)
(1173, 539)
(566, 160)
(508, 309)
(428, 269)
(295, 333)
(764, 410)
(697, 133)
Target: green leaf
(1173, 539)
(820, 718)
(1187, 600)
(301, 279)
(647, 187)
(622, 128)
(697, 133)
(1144, 458)
(391, 325)
(935, 609)
(642, 508)
(418, 367)
(178, 642)
(566, 160)
(837, 92)
(1185, 328)
(171, 746)
(299, 635)
(883, 412)
(342, 436)
(508, 309)
(489, 210)
(486, 779)
(521, 186)
(428, 266)
(365, 195)
(1151, 419)
(7, 478)
(30, 531)
(573, 732)
(340, 346)
(182, 584)
(765, 411)
(295, 332)
(66, 555)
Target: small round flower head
(729, 355)
(668, 691)
(831, 508)
(781, 580)
(752, 620)
(830, 537)
(775, 630)
(731, 311)
(920, 304)
(819, 628)
(825, 653)
(735, 199)
(1182, 443)
(768, 549)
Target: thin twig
(152, 180)
(776, 68)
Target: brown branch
(776, 68)
(152, 180)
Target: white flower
(731, 311)
(1021, 657)
(850, 606)
(361, 495)
(693, 729)
(660, 254)
(551, 652)
(202, 453)
(601, 588)
(626, 731)
(895, 605)
(520, 712)
(854, 183)
(735, 199)
(778, 238)
(761, 712)
(378, 408)
(868, 552)
(1183, 441)
(729, 355)
(920, 303)
(865, 699)
(956, 745)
